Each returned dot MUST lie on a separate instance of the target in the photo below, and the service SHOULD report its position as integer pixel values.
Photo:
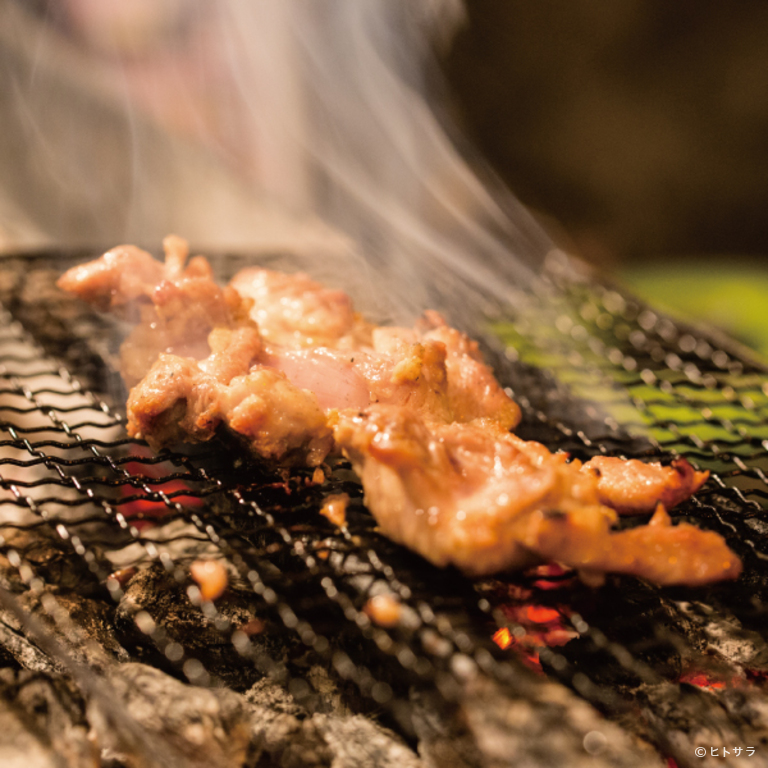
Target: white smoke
(322, 119)
(349, 108)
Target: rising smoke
(307, 110)
(352, 104)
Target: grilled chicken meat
(478, 497)
(633, 487)
(289, 366)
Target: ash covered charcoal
(84, 624)
(539, 725)
(293, 735)
(42, 723)
(88, 631)
(357, 740)
(205, 727)
(320, 730)
(265, 727)
(691, 718)
(719, 632)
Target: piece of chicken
(475, 496)
(289, 367)
(184, 399)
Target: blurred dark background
(640, 125)
(638, 130)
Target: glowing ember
(702, 681)
(540, 614)
(710, 680)
(137, 508)
(537, 626)
(503, 638)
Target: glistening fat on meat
(290, 368)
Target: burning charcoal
(208, 727)
(42, 723)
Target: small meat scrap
(297, 375)
(335, 509)
(122, 576)
(211, 577)
(318, 476)
(384, 610)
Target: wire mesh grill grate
(594, 371)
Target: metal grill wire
(594, 371)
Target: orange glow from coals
(137, 510)
(540, 614)
(538, 626)
(503, 638)
(700, 680)
(713, 681)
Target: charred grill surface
(99, 534)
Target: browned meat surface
(184, 399)
(295, 311)
(127, 273)
(633, 487)
(476, 496)
(175, 307)
(291, 369)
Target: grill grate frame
(68, 467)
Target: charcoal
(42, 723)
(358, 740)
(88, 629)
(48, 557)
(289, 735)
(206, 727)
(495, 727)
(166, 600)
(695, 718)
(725, 636)
(281, 731)
(23, 651)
